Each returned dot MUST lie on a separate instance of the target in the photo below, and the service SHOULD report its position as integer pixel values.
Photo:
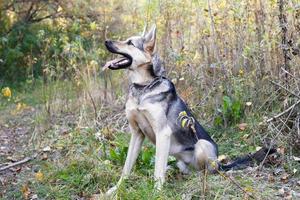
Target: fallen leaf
(25, 191)
(249, 189)
(39, 176)
(258, 148)
(44, 156)
(281, 191)
(242, 126)
(295, 170)
(296, 158)
(15, 169)
(281, 150)
(249, 103)
(271, 178)
(13, 159)
(246, 136)
(284, 178)
(46, 149)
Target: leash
(187, 121)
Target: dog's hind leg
(136, 141)
(205, 155)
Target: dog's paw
(158, 186)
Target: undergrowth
(86, 158)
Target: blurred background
(236, 64)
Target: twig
(94, 105)
(272, 141)
(235, 183)
(296, 95)
(284, 112)
(213, 163)
(289, 73)
(26, 159)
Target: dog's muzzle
(119, 63)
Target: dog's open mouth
(118, 63)
(122, 62)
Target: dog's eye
(130, 43)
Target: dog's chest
(146, 106)
(137, 117)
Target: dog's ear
(144, 31)
(150, 40)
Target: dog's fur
(154, 110)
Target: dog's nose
(107, 42)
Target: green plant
(231, 112)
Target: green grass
(81, 165)
(80, 169)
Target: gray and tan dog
(154, 110)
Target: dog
(155, 111)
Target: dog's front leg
(163, 139)
(135, 145)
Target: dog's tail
(248, 160)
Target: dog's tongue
(109, 64)
(113, 63)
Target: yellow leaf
(18, 106)
(25, 191)
(93, 26)
(241, 72)
(39, 176)
(249, 189)
(6, 92)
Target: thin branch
(277, 84)
(18, 163)
(284, 112)
(236, 183)
(289, 73)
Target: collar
(149, 85)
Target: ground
(82, 162)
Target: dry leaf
(242, 126)
(281, 150)
(296, 158)
(245, 137)
(281, 191)
(39, 176)
(295, 170)
(44, 156)
(249, 189)
(284, 178)
(258, 148)
(249, 103)
(271, 178)
(47, 148)
(25, 191)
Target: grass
(78, 169)
(81, 164)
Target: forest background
(236, 64)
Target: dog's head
(135, 52)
